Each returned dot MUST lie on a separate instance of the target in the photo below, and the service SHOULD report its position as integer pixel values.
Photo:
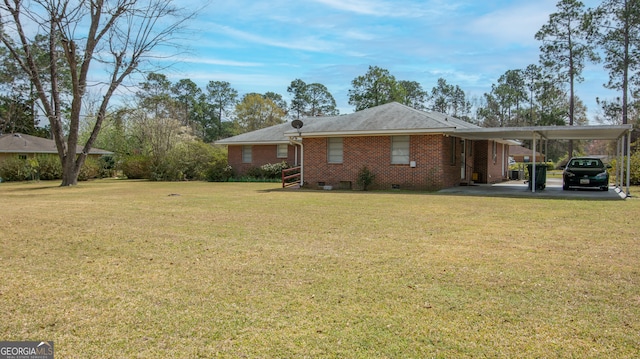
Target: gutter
(384, 132)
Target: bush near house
(46, 168)
(267, 172)
(136, 167)
(365, 178)
(635, 167)
(186, 161)
(14, 169)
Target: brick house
(27, 146)
(403, 147)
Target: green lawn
(134, 269)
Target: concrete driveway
(520, 189)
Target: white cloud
(515, 24)
(214, 61)
(384, 8)
(294, 43)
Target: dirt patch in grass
(118, 269)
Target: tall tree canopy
(617, 24)
(222, 97)
(119, 34)
(256, 111)
(566, 47)
(374, 88)
(311, 99)
(449, 99)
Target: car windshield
(586, 163)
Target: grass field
(131, 269)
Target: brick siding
(432, 155)
(260, 155)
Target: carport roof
(603, 132)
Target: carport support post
(619, 161)
(628, 162)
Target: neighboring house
(522, 154)
(27, 146)
(403, 147)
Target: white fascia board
(251, 143)
(400, 132)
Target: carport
(619, 133)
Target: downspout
(299, 143)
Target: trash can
(541, 175)
(514, 175)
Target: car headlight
(601, 175)
(569, 174)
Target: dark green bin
(541, 175)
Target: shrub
(634, 174)
(90, 169)
(365, 178)
(15, 169)
(269, 171)
(137, 167)
(107, 166)
(49, 167)
(189, 161)
(273, 170)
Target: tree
(413, 95)
(119, 34)
(185, 94)
(449, 99)
(617, 23)
(222, 97)
(256, 111)
(321, 102)
(311, 99)
(565, 47)
(277, 100)
(155, 96)
(375, 88)
(300, 101)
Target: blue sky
(261, 46)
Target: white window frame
(282, 150)
(494, 152)
(335, 149)
(400, 150)
(247, 154)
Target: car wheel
(565, 187)
(604, 188)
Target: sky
(260, 46)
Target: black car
(585, 172)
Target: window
(400, 150)
(494, 152)
(282, 151)
(334, 150)
(246, 154)
(22, 157)
(453, 150)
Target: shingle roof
(20, 143)
(269, 135)
(391, 118)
